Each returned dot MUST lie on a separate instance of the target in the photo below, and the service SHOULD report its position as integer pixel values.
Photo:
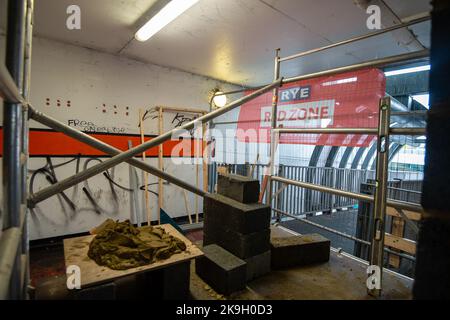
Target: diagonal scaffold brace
(127, 156)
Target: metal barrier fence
(300, 201)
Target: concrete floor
(341, 278)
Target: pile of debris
(121, 246)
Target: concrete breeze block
(299, 250)
(220, 269)
(233, 215)
(258, 265)
(241, 245)
(239, 188)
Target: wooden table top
(76, 253)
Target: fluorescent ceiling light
(407, 70)
(165, 16)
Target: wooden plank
(197, 197)
(263, 188)
(160, 165)
(147, 203)
(162, 109)
(186, 204)
(252, 168)
(222, 170)
(415, 216)
(398, 229)
(205, 159)
(405, 245)
(266, 178)
(76, 249)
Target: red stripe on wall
(51, 143)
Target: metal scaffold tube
(124, 156)
(343, 193)
(366, 36)
(273, 144)
(342, 234)
(358, 196)
(13, 117)
(100, 145)
(372, 63)
(9, 244)
(13, 158)
(8, 89)
(25, 143)
(373, 131)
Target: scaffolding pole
(100, 145)
(273, 144)
(25, 146)
(13, 159)
(366, 36)
(127, 155)
(417, 55)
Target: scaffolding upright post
(13, 158)
(25, 142)
(380, 196)
(272, 131)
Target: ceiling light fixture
(165, 16)
(407, 70)
(220, 99)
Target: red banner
(347, 100)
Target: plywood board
(406, 245)
(398, 229)
(76, 249)
(415, 216)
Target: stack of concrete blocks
(236, 222)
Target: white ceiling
(232, 40)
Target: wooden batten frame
(161, 110)
(147, 201)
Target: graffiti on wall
(114, 193)
(89, 126)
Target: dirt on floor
(340, 278)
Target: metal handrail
(358, 196)
(343, 193)
(317, 225)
